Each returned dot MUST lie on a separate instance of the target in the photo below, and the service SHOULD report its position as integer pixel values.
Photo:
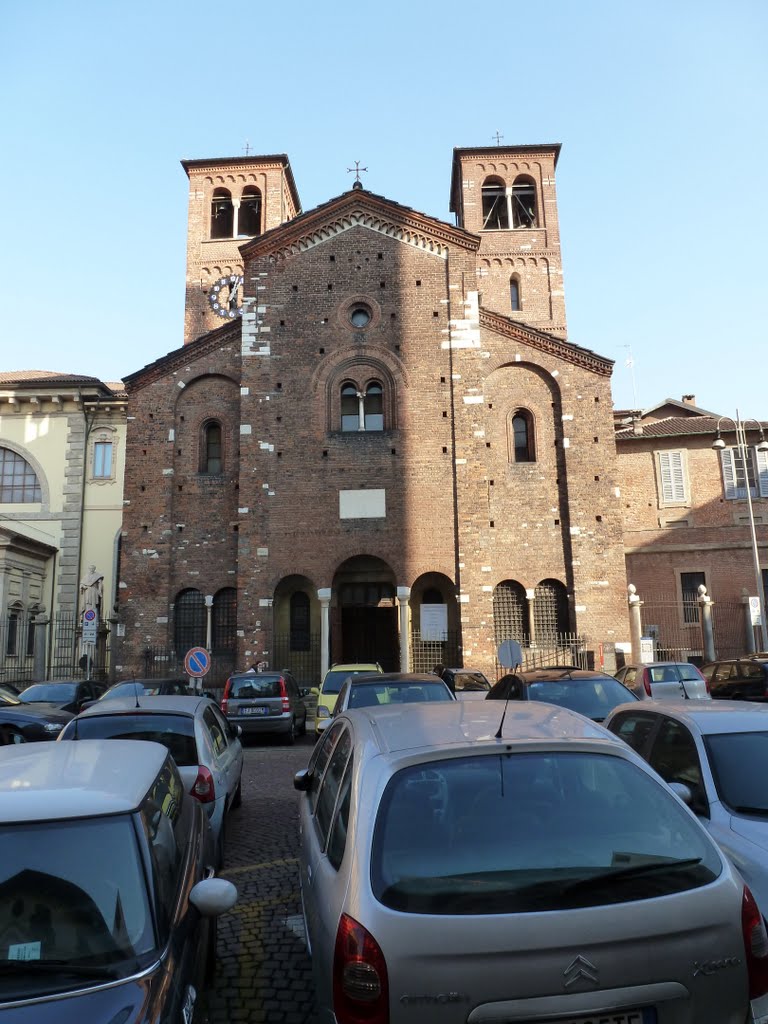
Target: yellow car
(329, 691)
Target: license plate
(255, 711)
(630, 1017)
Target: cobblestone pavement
(263, 971)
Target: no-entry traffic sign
(197, 662)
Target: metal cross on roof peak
(498, 138)
(247, 148)
(356, 170)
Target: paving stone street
(263, 971)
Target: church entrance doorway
(364, 623)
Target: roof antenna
(510, 655)
(510, 676)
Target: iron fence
(35, 648)
(425, 654)
(676, 631)
(566, 649)
(304, 665)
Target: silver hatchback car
(469, 863)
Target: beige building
(62, 461)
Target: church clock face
(226, 296)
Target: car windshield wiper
(744, 809)
(18, 967)
(634, 871)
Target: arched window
(211, 455)
(299, 611)
(495, 211)
(510, 612)
(524, 203)
(189, 621)
(522, 446)
(550, 611)
(350, 407)
(514, 294)
(249, 214)
(222, 214)
(373, 406)
(18, 481)
(12, 631)
(224, 621)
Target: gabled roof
(544, 342)
(682, 426)
(228, 333)
(52, 380)
(358, 206)
(685, 407)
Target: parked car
(593, 694)
(205, 747)
(29, 723)
(333, 680)
(738, 678)
(466, 683)
(147, 688)
(266, 703)
(718, 750)
(538, 871)
(665, 680)
(69, 695)
(107, 896)
(390, 688)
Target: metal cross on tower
(356, 170)
(498, 138)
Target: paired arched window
(550, 611)
(522, 447)
(524, 203)
(514, 294)
(222, 214)
(189, 621)
(249, 212)
(211, 448)
(299, 621)
(224, 621)
(18, 481)
(362, 409)
(495, 208)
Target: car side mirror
(305, 691)
(315, 690)
(302, 780)
(235, 730)
(213, 896)
(684, 792)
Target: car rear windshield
(594, 698)
(368, 695)
(175, 732)
(61, 911)
(49, 691)
(254, 686)
(521, 833)
(742, 791)
(470, 681)
(334, 680)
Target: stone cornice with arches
(546, 343)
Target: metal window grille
(299, 612)
(510, 613)
(550, 611)
(304, 665)
(425, 654)
(224, 621)
(189, 621)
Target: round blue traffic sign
(197, 662)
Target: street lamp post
(741, 443)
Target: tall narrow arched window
(514, 294)
(510, 612)
(18, 481)
(524, 203)
(12, 631)
(350, 407)
(550, 611)
(224, 621)
(222, 214)
(189, 621)
(522, 446)
(249, 214)
(495, 211)
(373, 406)
(299, 611)
(211, 454)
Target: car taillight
(755, 945)
(647, 681)
(225, 696)
(360, 985)
(204, 789)
(284, 696)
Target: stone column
(403, 597)
(635, 622)
(41, 648)
(324, 597)
(530, 596)
(208, 623)
(705, 603)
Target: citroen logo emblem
(579, 969)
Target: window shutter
(672, 476)
(729, 472)
(762, 472)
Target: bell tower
(506, 195)
(231, 200)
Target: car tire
(237, 799)
(211, 952)
(220, 847)
(303, 727)
(290, 736)
(10, 736)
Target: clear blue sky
(660, 107)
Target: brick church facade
(377, 441)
